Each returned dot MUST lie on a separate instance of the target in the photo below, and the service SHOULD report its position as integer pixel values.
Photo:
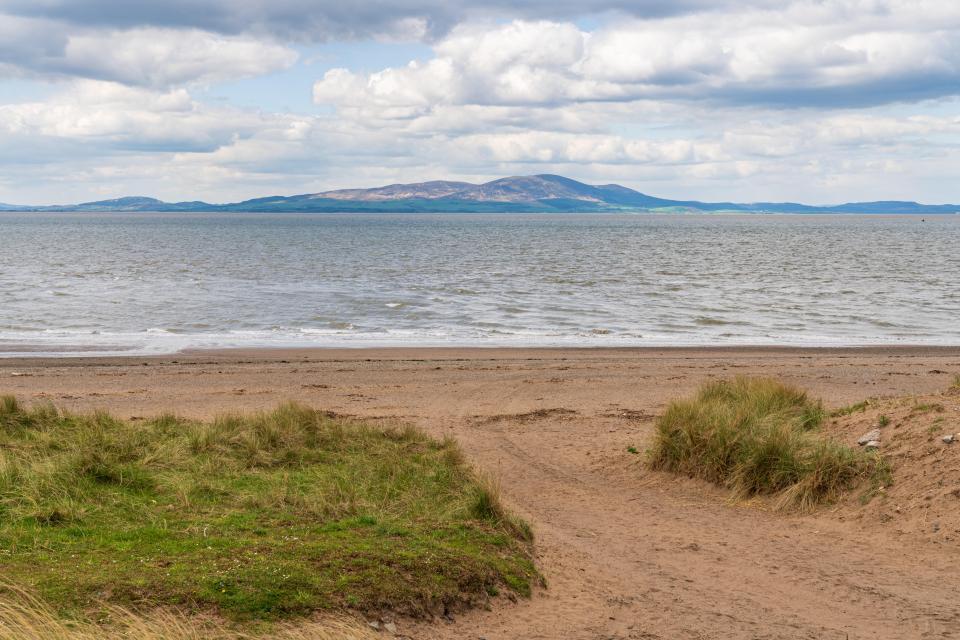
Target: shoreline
(469, 352)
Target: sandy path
(626, 553)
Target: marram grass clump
(759, 436)
(254, 517)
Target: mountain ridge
(520, 194)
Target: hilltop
(520, 194)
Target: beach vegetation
(927, 407)
(25, 617)
(255, 517)
(857, 407)
(760, 437)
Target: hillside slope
(516, 194)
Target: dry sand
(626, 553)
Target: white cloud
(810, 53)
(110, 116)
(165, 57)
(96, 139)
(548, 147)
(150, 57)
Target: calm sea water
(148, 283)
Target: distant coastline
(520, 194)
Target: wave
(158, 341)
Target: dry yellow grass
(24, 617)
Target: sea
(153, 283)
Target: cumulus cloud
(729, 143)
(834, 53)
(97, 138)
(150, 57)
(106, 120)
(164, 57)
(101, 135)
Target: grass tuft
(858, 407)
(487, 506)
(927, 407)
(758, 436)
(955, 385)
(256, 517)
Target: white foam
(154, 341)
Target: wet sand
(626, 553)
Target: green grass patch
(256, 517)
(758, 436)
(858, 407)
(928, 407)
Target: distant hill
(136, 203)
(520, 194)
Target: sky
(816, 101)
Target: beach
(480, 320)
(625, 552)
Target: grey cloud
(335, 19)
(28, 41)
(905, 88)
